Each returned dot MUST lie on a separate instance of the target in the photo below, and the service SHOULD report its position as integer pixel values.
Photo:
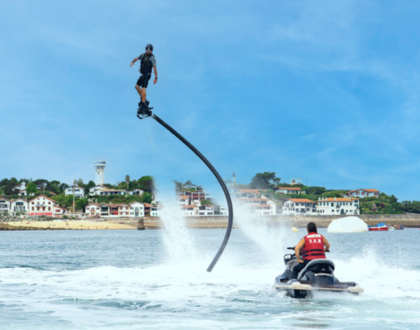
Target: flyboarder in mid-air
(147, 62)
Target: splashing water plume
(179, 243)
(273, 240)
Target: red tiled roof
(188, 206)
(44, 197)
(301, 200)
(289, 188)
(369, 190)
(337, 199)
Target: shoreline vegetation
(408, 220)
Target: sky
(327, 91)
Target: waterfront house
(95, 190)
(155, 211)
(18, 207)
(189, 210)
(93, 210)
(4, 206)
(289, 190)
(184, 200)
(44, 206)
(247, 193)
(338, 206)
(79, 192)
(261, 205)
(206, 210)
(147, 209)
(299, 206)
(363, 193)
(136, 210)
(136, 192)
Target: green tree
(147, 184)
(63, 187)
(41, 184)
(178, 186)
(81, 203)
(266, 180)
(127, 181)
(54, 186)
(146, 197)
(334, 193)
(89, 185)
(206, 202)
(31, 188)
(316, 190)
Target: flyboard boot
(144, 110)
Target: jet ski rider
(313, 247)
(147, 62)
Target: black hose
(222, 184)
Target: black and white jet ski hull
(296, 289)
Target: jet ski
(318, 275)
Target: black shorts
(144, 80)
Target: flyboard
(145, 112)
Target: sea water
(146, 280)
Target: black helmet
(149, 47)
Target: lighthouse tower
(100, 165)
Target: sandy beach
(71, 225)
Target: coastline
(220, 222)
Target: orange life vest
(314, 247)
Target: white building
(44, 206)
(289, 190)
(79, 192)
(183, 200)
(338, 206)
(93, 210)
(136, 210)
(21, 189)
(4, 206)
(205, 210)
(363, 193)
(248, 193)
(155, 211)
(299, 206)
(19, 207)
(189, 210)
(136, 192)
(132, 210)
(105, 191)
(261, 205)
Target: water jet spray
(216, 174)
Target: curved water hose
(222, 184)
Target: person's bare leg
(138, 89)
(143, 94)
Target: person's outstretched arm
(133, 61)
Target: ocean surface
(157, 279)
